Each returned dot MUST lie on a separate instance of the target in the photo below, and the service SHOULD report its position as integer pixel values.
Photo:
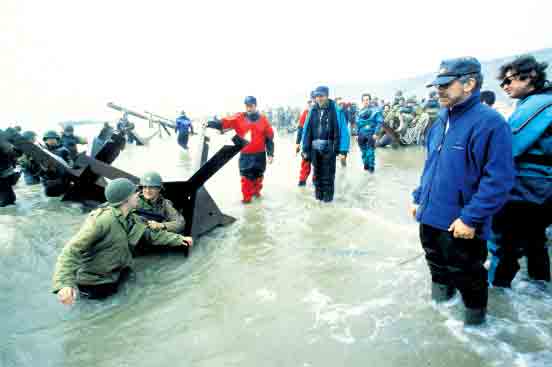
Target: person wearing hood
(183, 129)
(325, 138)
(518, 229)
(253, 157)
(466, 179)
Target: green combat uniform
(97, 256)
(104, 247)
(162, 211)
(70, 141)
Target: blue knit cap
(250, 100)
(321, 91)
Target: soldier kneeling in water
(158, 212)
(94, 260)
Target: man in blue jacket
(467, 175)
(518, 229)
(369, 121)
(325, 138)
(183, 128)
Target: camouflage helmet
(29, 135)
(151, 179)
(119, 190)
(68, 129)
(50, 134)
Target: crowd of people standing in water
(486, 185)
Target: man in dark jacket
(325, 137)
(519, 227)
(466, 179)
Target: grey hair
(478, 77)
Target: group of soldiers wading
(62, 145)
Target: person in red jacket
(254, 155)
(305, 165)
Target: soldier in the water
(69, 140)
(425, 120)
(53, 178)
(254, 156)
(389, 134)
(126, 128)
(158, 212)
(29, 167)
(8, 175)
(325, 139)
(407, 116)
(95, 260)
(518, 229)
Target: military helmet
(151, 179)
(29, 135)
(432, 104)
(50, 134)
(119, 190)
(68, 129)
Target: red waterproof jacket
(261, 131)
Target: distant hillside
(417, 87)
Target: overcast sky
(65, 60)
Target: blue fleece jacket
(469, 169)
(532, 137)
(183, 124)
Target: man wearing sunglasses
(519, 227)
(466, 179)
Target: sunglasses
(508, 80)
(446, 86)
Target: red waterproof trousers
(305, 170)
(251, 188)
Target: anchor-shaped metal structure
(87, 179)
